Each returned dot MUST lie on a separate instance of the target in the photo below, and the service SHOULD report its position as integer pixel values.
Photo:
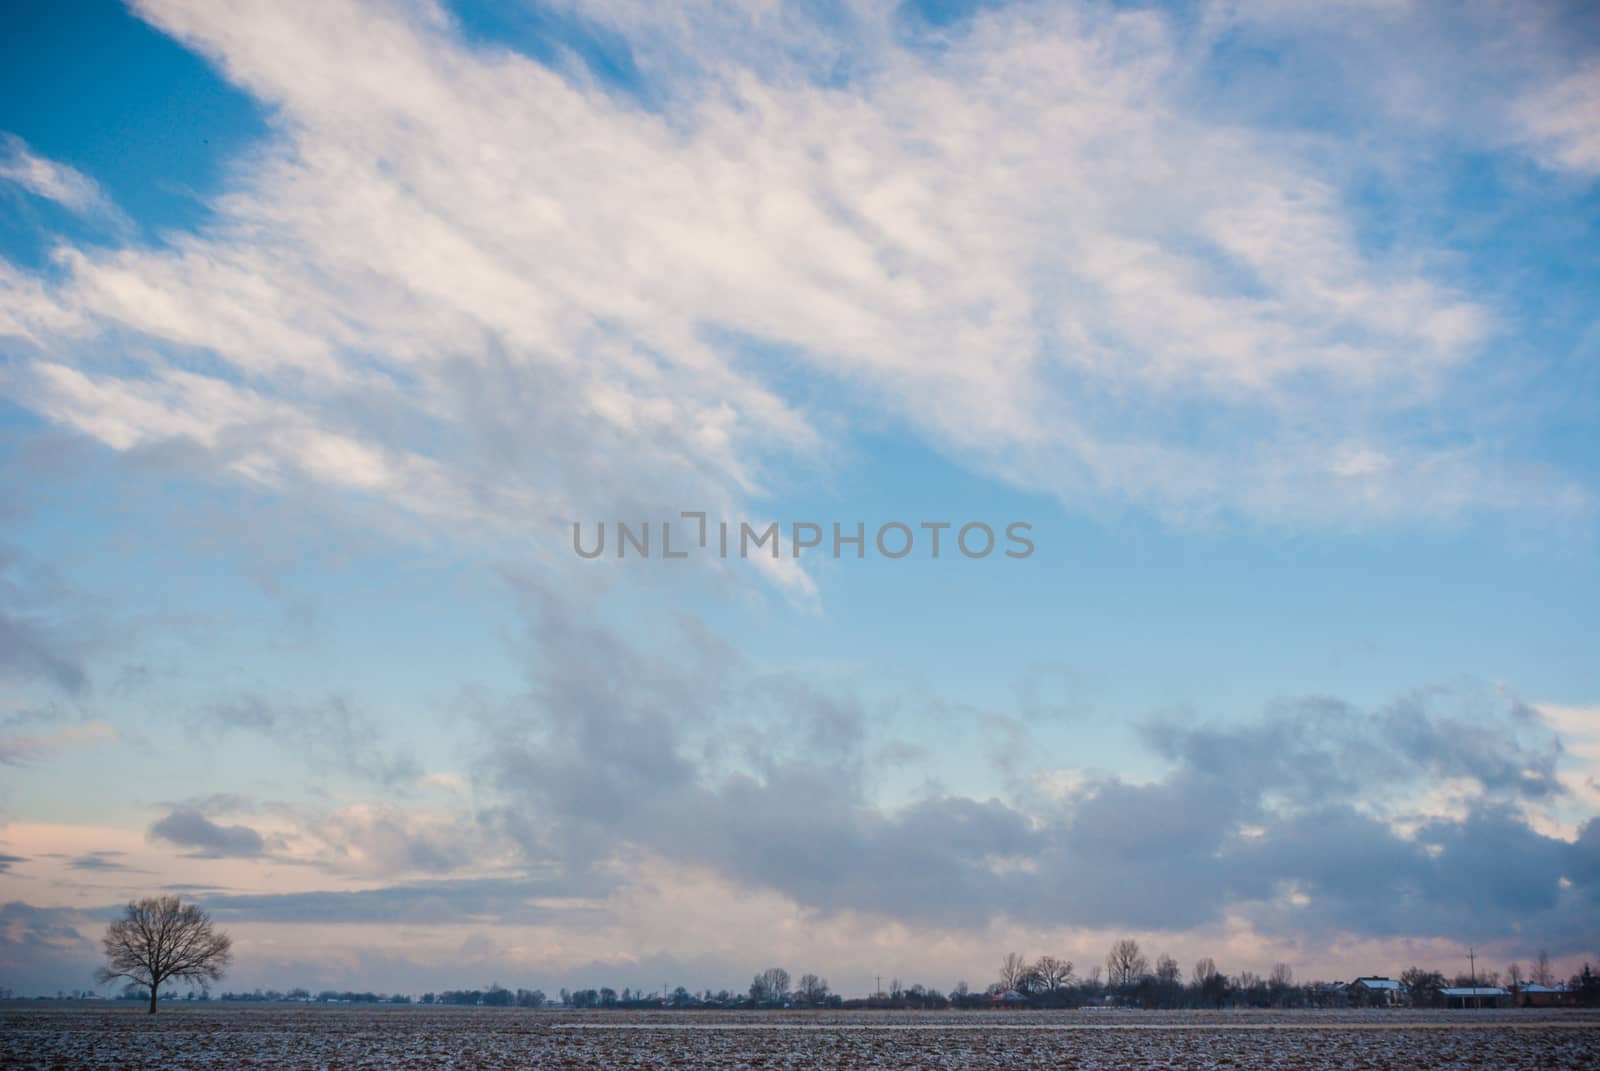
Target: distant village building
(1009, 999)
(1533, 995)
(1331, 995)
(1376, 990)
(1475, 996)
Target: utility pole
(1472, 962)
(878, 979)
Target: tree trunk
(153, 990)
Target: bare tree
(1514, 974)
(1542, 974)
(1210, 983)
(775, 980)
(162, 939)
(813, 990)
(1250, 986)
(1168, 972)
(1014, 971)
(1125, 964)
(1053, 974)
(1280, 982)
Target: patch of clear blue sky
(90, 85)
(1528, 243)
(1222, 619)
(221, 594)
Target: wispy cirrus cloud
(53, 180)
(18, 748)
(1562, 121)
(43, 624)
(465, 285)
(103, 860)
(330, 735)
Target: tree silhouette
(1125, 964)
(162, 939)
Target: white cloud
(264, 440)
(1562, 121)
(53, 181)
(1580, 770)
(458, 282)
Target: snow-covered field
(86, 1036)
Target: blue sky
(320, 328)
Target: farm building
(1475, 996)
(1533, 995)
(1376, 990)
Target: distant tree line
(1126, 978)
(496, 996)
(772, 988)
(325, 996)
(1129, 979)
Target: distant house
(1376, 990)
(1475, 996)
(1009, 999)
(1533, 995)
(1331, 995)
